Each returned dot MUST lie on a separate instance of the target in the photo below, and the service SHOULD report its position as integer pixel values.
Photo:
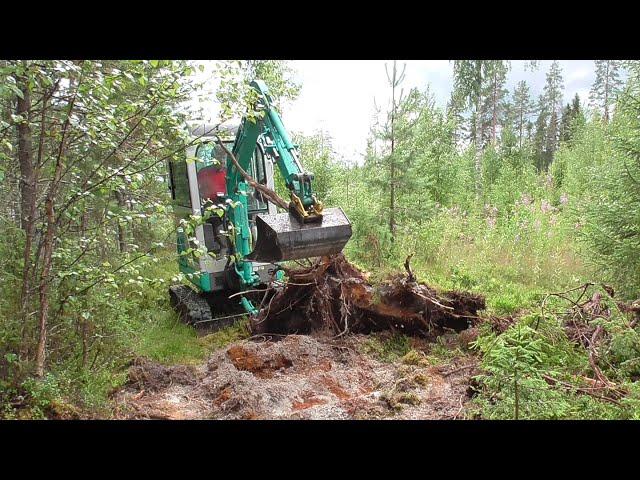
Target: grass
(161, 336)
(169, 341)
(513, 264)
(225, 336)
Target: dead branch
(263, 189)
(410, 276)
(593, 357)
(583, 390)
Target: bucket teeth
(283, 237)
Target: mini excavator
(233, 253)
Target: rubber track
(191, 307)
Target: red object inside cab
(212, 181)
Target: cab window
(179, 183)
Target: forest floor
(308, 377)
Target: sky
(337, 96)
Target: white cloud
(338, 96)
(579, 75)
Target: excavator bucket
(283, 237)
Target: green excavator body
(245, 242)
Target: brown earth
(299, 377)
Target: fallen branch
(586, 391)
(263, 189)
(593, 357)
(410, 276)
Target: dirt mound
(333, 295)
(152, 376)
(275, 379)
(298, 377)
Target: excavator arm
(278, 146)
(306, 229)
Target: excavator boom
(307, 229)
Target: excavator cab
(200, 180)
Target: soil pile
(298, 377)
(333, 295)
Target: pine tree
(606, 85)
(523, 107)
(392, 150)
(494, 95)
(468, 82)
(474, 82)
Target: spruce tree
(540, 134)
(605, 87)
(455, 111)
(553, 88)
(551, 140)
(551, 106)
(571, 115)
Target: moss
(408, 398)
(413, 357)
(225, 336)
(421, 379)
(397, 400)
(385, 347)
(61, 409)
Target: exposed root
(334, 296)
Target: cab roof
(211, 129)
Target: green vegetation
(387, 348)
(543, 206)
(498, 193)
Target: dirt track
(299, 377)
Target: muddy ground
(303, 377)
